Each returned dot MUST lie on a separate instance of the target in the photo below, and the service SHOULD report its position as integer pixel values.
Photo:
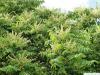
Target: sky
(69, 4)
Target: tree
(38, 41)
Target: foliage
(38, 41)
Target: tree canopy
(38, 41)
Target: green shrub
(38, 41)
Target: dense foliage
(38, 41)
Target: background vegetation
(38, 41)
